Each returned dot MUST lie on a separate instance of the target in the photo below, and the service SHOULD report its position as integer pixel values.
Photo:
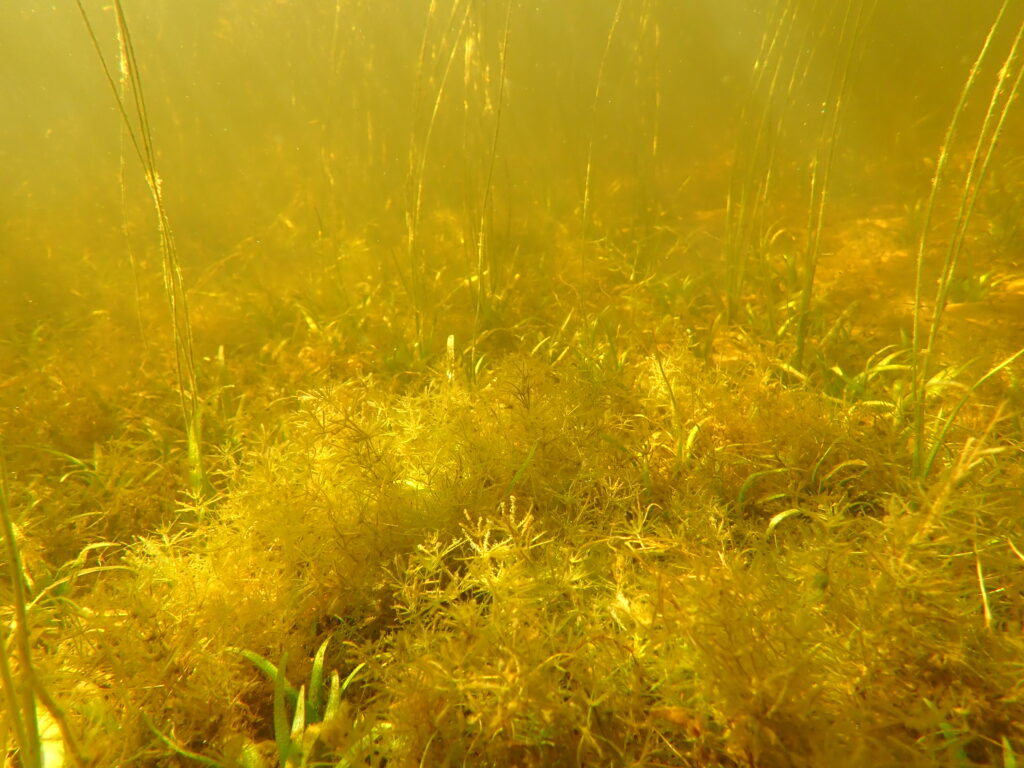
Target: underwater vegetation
(462, 383)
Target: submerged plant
(574, 465)
(1008, 81)
(42, 736)
(136, 122)
(317, 714)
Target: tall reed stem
(141, 136)
(924, 346)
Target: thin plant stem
(142, 140)
(921, 368)
(31, 690)
(947, 424)
(21, 699)
(481, 244)
(988, 138)
(588, 169)
(821, 168)
(418, 158)
(750, 175)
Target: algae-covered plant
(463, 383)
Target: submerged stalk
(921, 360)
(177, 300)
(821, 169)
(481, 244)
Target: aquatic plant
(544, 430)
(1008, 80)
(137, 125)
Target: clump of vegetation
(611, 486)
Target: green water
(592, 382)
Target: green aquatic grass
(1003, 95)
(41, 733)
(479, 505)
(856, 17)
(20, 694)
(371, 528)
(137, 124)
